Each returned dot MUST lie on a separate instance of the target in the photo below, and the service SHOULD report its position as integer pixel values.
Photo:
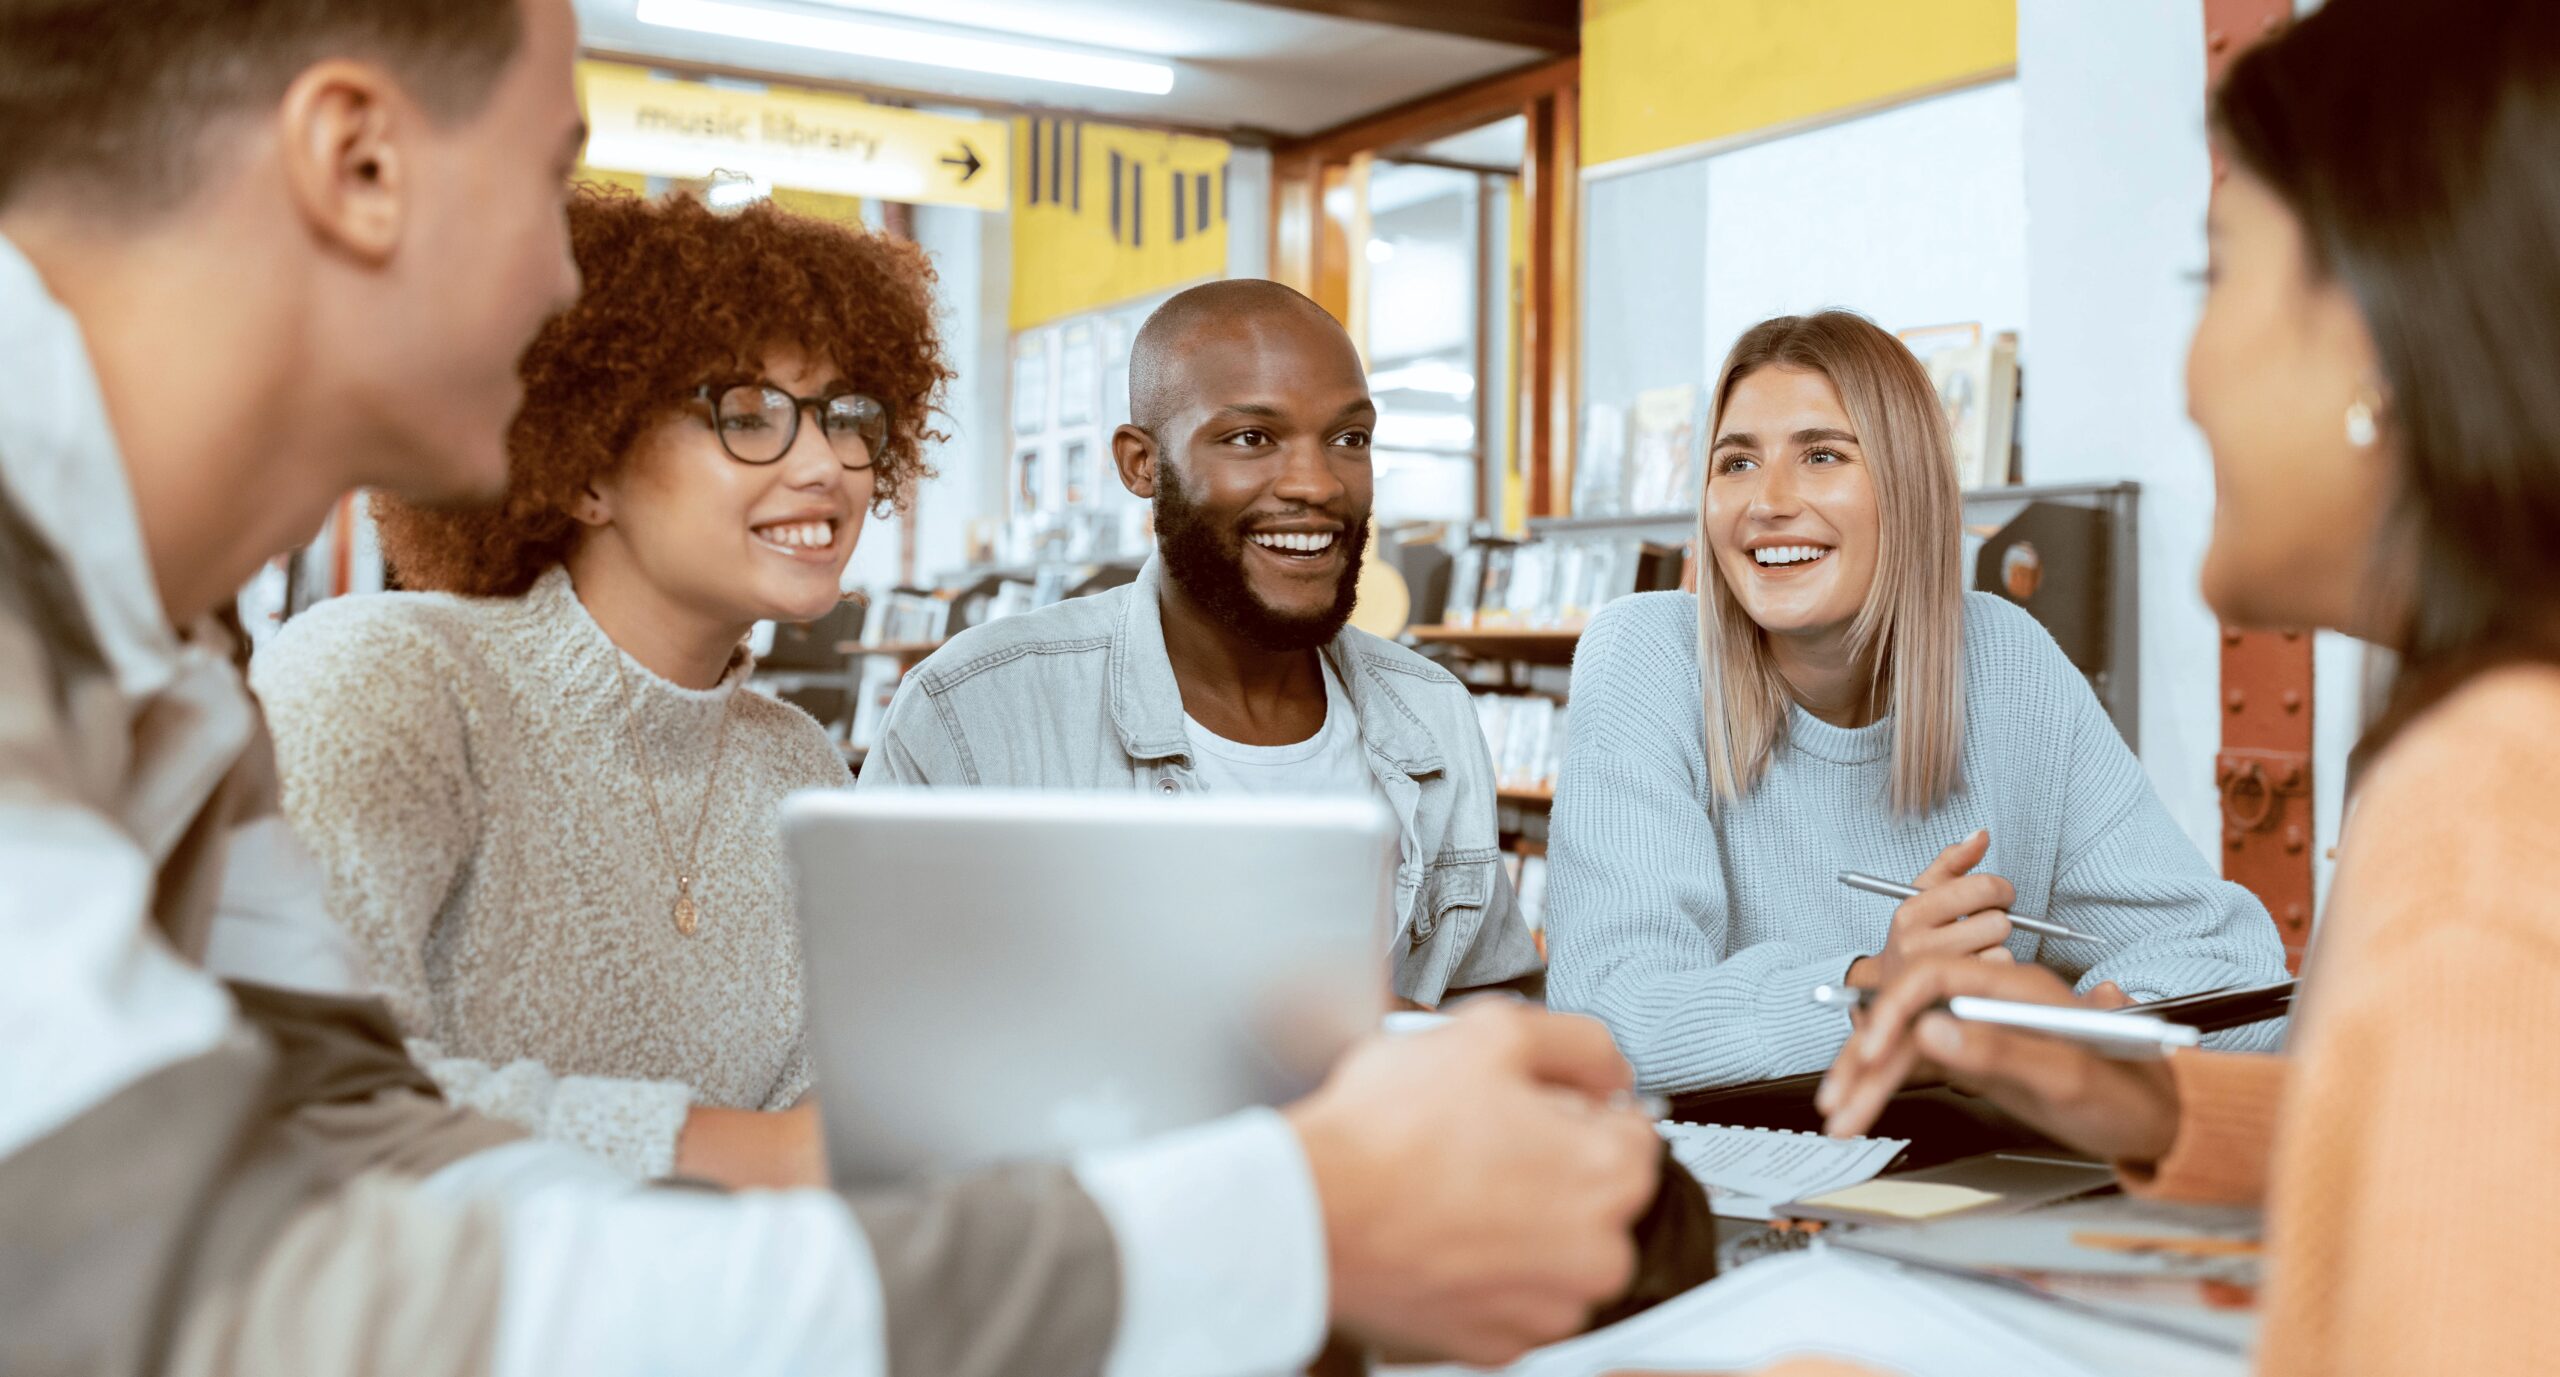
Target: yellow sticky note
(1903, 1199)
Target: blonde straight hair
(1910, 631)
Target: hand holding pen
(2124, 1111)
(1950, 912)
(1874, 884)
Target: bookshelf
(1544, 646)
(906, 653)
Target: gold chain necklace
(687, 916)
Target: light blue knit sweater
(1697, 939)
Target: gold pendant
(685, 917)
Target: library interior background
(1541, 223)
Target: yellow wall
(635, 182)
(823, 205)
(1070, 255)
(1661, 74)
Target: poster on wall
(1031, 383)
(1077, 465)
(1079, 375)
(1662, 451)
(1119, 332)
(1026, 491)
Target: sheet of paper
(1902, 1199)
(1823, 1302)
(1749, 1172)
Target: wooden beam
(1342, 238)
(1563, 246)
(1436, 116)
(1297, 184)
(1555, 25)
(1538, 341)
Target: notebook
(1750, 1172)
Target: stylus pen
(2125, 1037)
(1877, 885)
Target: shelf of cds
(1528, 601)
(1525, 735)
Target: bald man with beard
(1229, 666)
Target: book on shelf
(1524, 745)
(871, 704)
(1466, 586)
(1998, 467)
(907, 616)
(1577, 564)
(1530, 885)
(1493, 598)
(1600, 466)
(1555, 584)
(1976, 377)
(1524, 734)
(1011, 597)
(1662, 451)
(1533, 576)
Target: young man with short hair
(255, 254)
(1230, 665)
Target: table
(1944, 1125)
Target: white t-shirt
(1331, 762)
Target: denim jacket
(1081, 695)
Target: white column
(2117, 181)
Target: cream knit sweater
(463, 767)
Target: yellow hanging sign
(804, 140)
(1104, 214)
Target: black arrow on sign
(967, 162)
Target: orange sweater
(2409, 1147)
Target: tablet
(995, 975)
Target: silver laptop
(997, 975)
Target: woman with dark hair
(542, 796)
(2377, 370)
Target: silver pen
(2110, 1033)
(1878, 885)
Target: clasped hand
(1478, 1182)
(2122, 1111)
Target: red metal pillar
(2264, 770)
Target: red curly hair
(678, 295)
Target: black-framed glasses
(758, 422)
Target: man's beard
(1208, 562)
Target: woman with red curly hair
(543, 797)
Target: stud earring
(2362, 426)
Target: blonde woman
(1857, 710)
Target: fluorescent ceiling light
(1429, 375)
(1406, 430)
(731, 193)
(902, 43)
